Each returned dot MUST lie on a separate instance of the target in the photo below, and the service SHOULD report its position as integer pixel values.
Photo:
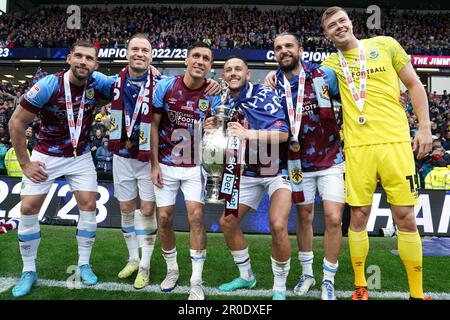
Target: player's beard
(291, 66)
(78, 76)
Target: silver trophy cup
(214, 148)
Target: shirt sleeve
(40, 94)
(331, 80)
(332, 62)
(398, 55)
(104, 84)
(160, 91)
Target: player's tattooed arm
(33, 170)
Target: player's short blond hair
(329, 12)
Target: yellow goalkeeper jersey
(386, 118)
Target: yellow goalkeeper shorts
(392, 163)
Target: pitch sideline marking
(7, 283)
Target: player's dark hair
(293, 34)
(237, 57)
(85, 44)
(199, 44)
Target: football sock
(86, 231)
(29, 235)
(306, 260)
(129, 235)
(242, 261)
(359, 248)
(410, 252)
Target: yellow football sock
(359, 248)
(410, 251)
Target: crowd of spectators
(222, 27)
(439, 157)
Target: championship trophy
(214, 147)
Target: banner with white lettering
(252, 55)
(432, 212)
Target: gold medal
(128, 144)
(75, 153)
(295, 146)
(361, 119)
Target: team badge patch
(374, 54)
(296, 175)
(90, 93)
(203, 104)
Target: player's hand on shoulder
(154, 71)
(35, 171)
(213, 88)
(271, 80)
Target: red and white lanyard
(129, 124)
(295, 118)
(358, 97)
(74, 129)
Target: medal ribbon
(295, 118)
(74, 129)
(360, 97)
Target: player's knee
(147, 210)
(29, 208)
(278, 226)
(333, 221)
(406, 222)
(306, 219)
(165, 220)
(197, 224)
(305, 215)
(227, 223)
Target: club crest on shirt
(203, 104)
(374, 54)
(90, 93)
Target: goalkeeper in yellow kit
(377, 141)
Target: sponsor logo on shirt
(181, 118)
(33, 92)
(189, 105)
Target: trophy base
(214, 201)
(213, 191)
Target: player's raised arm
(20, 120)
